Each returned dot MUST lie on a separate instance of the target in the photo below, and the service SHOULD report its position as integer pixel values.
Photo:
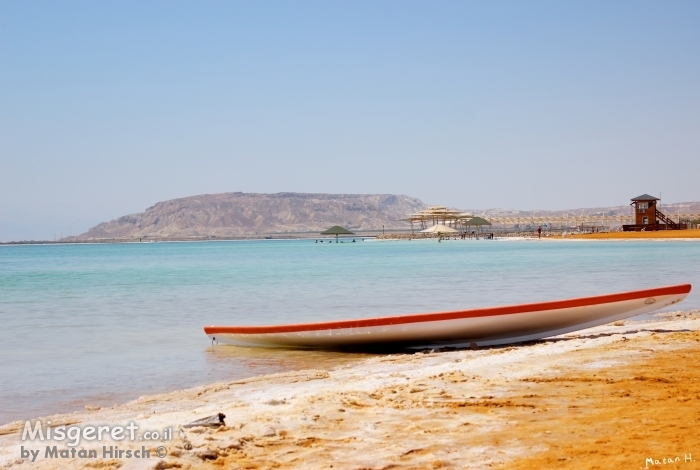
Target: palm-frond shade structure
(438, 215)
(439, 229)
(476, 221)
(337, 230)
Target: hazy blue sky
(109, 107)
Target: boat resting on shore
(461, 328)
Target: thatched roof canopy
(337, 230)
(477, 221)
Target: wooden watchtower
(647, 217)
(644, 209)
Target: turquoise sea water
(103, 324)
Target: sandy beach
(608, 397)
(692, 234)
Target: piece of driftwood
(213, 421)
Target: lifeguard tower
(649, 218)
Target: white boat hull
(483, 327)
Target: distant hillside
(668, 209)
(251, 214)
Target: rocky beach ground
(624, 395)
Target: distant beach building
(649, 218)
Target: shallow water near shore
(106, 323)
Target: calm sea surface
(103, 324)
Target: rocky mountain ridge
(252, 214)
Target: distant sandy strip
(608, 397)
(660, 235)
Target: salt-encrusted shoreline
(424, 410)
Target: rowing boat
(461, 328)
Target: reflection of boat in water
(240, 362)
(483, 327)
